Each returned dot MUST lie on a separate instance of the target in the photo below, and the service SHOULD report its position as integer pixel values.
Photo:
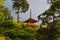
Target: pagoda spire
(30, 13)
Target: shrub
(16, 31)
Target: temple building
(31, 21)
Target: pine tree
(20, 6)
(55, 7)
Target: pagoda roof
(30, 19)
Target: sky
(37, 7)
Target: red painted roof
(31, 20)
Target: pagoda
(31, 21)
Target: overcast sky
(37, 7)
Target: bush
(16, 31)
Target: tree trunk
(18, 16)
(44, 37)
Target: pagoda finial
(30, 13)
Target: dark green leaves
(22, 5)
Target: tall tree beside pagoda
(55, 7)
(20, 6)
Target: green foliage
(21, 31)
(6, 13)
(55, 6)
(57, 24)
(15, 31)
(1, 16)
(52, 32)
(1, 2)
(20, 6)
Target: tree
(20, 6)
(1, 17)
(1, 2)
(1, 13)
(50, 15)
(6, 13)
